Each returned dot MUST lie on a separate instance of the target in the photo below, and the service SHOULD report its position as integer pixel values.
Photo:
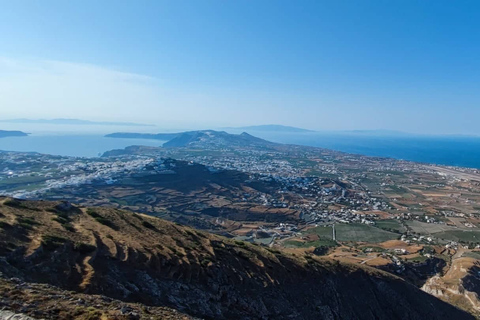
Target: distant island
(4, 134)
(170, 136)
(199, 137)
(76, 122)
(271, 128)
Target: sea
(90, 141)
(72, 140)
(460, 151)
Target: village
(320, 187)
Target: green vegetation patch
(51, 242)
(321, 231)
(424, 228)
(354, 232)
(206, 260)
(362, 232)
(12, 203)
(324, 242)
(63, 219)
(391, 225)
(240, 243)
(19, 204)
(26, 223)
(148, 225)
(464, 236)
(418, 259)
(472, 254)
(101, 219)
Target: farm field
(391, 225)
(308, 244)
(460, 235)
(355, 232)
(428, 228)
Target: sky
(324, 65)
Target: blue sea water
(444, 150)
(71, 145)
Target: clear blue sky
(400, 65)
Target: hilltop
(137, 258)
(216, 139)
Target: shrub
(69, 227)
(26, 223)
(105, 222)
(137, 216)
(148, 225)
(15, 203)
(240, 243)
(12, 203)
(60, 220)
(206, 261)
(92, 213)
(52, 242)
(176, 252)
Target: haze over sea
(89, 141)
(71, 140)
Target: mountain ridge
(139, 258)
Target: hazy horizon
(318, 65)
(47, 126)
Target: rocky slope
(460, 284)
(30, 301)
(137, 258)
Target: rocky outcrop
(460, 285)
